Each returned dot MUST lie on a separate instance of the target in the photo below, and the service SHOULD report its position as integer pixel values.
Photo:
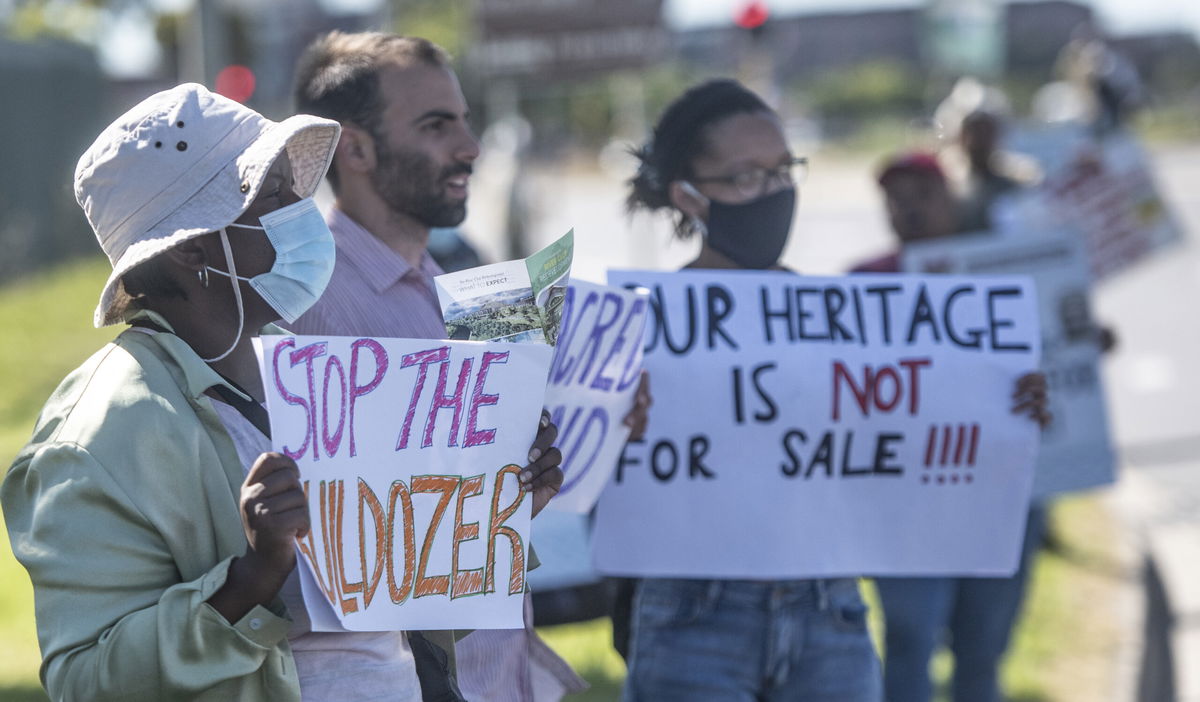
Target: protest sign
(512, 301)
(1103, 189)
(593, 379)
(409, 453)
(817, 427)
(1075, 453)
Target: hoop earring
(202, 274)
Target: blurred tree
(846, 98)
(444, 22)
(78, 20)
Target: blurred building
(808, 45)
(1035, 32)
(1168, 62)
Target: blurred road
(1154, 394)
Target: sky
(1118, 16)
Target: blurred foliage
(77, 20)
(54, 338)
(447, 23)
(587, 646)
(845, 99)
(1171, 122)
(583, 113)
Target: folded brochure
(518, 301)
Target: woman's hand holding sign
(639, 416)
(274, 511)
(1029, 398)
(274, 514)
(543, 477)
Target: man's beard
(409, 183)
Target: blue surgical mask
(304, 255)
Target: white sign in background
(410, 452)
(1102, 189)
(593, 379)
(1076, 452)
(816, 427)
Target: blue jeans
(750, 641)
(977, 613)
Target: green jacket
(123, 507)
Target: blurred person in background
(919, 205)
(1106, 82)
(977, 614)
(978, 170)
(401, 169)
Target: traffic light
(236, 82)
(752, 16)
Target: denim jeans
(976, 613)
(751, 641)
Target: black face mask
(754, 233)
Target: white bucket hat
(182, 163)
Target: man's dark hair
(680, 136)
(337, 77)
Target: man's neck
(397, 230)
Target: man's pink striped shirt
(374, 291)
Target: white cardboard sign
(409, 451)
(592, 383)
(817, 427)
(1076, 452)
(1103, 189)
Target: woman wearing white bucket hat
(157, 527)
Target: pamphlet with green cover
(510, 301)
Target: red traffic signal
(752, 15)
(236, 82)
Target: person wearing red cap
(977, 613)
(919, 205)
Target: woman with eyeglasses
(719, 162)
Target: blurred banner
(1075, 452)
(561, 39)
(1102, 188)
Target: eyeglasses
(757, 181)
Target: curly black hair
(679, 137)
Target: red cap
(910, 162)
